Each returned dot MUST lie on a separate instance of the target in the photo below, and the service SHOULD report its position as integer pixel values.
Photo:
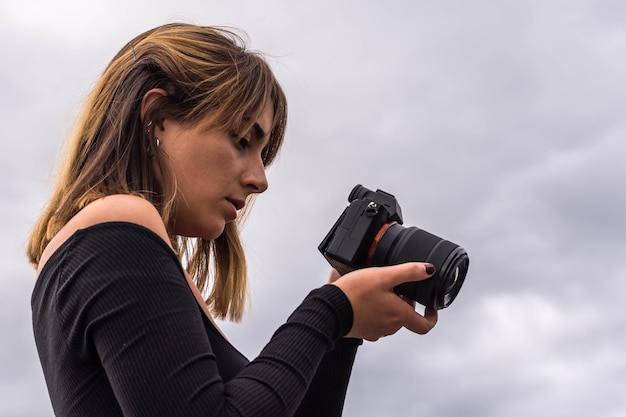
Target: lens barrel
(399, 244)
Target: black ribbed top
(119, 333)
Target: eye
(244, 143)
(241, 142)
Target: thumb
(410, 271)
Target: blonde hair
(205, 71)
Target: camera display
(370, 233)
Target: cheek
(200, 180)
(188, 168)
(203, 165)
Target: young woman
(170, 146)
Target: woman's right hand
(377, 310)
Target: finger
(410, 271)
(422, 324)
(333, 276)
(407, 300)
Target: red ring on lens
(379, 235)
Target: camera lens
(396, 244)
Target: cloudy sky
(499, 125)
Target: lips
(239, 204)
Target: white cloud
(499, 126)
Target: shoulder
(113, 208)
(120, 208)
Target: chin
(213, 232)
(206, 232)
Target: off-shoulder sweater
(119, 333)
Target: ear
(149, 98)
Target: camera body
(369, 232)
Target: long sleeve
(327, 392)
(130, 332)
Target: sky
(498, 125)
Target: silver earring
(157, 142)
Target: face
(215, 173)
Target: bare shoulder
(120, 208)
(113, 208)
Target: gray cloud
(497, 125)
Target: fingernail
(430, 269)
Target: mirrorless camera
(370, 233)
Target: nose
(254, 178)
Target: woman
(171, 145)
